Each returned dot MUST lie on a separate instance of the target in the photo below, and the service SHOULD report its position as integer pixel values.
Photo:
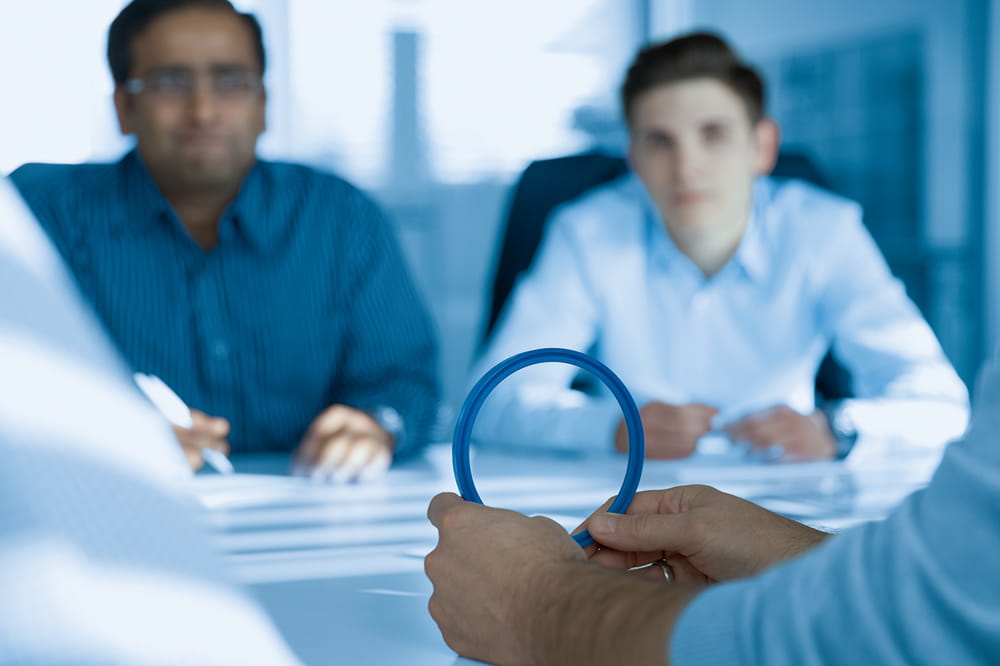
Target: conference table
(340, 567)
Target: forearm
(916, 588)
(390, 357)
(398, 387)
(564, 420)
(416, 401)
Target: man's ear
(767, 136)
(123, 109)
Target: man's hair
(137, 16)
(693, 56)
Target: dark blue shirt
(304, 302)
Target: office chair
(545, 184)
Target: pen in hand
(176, 412)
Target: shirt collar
(145, 206)
(751, 254)
(249, 211)
(246, 210)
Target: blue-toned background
(435, 107)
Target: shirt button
(699, 301)
(220, 350)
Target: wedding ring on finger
(668, 571)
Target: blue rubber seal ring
(477, 396)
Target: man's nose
(688, 160)
(203, 104)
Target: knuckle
(453, 641)
(431, 566)
(434, 607)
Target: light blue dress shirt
(921, 587)
(805, 275)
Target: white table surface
(340, 568)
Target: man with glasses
(273, 298)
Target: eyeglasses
(230, 84)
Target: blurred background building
(436, 106)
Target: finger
(699, 415)
(680, 570)
(652, 571)
(685, 423)
(332, 455)
(194, 459)
(215, 425)
(644, 501)
(601, 509)
(641, 532)
(590, 549)
(376, 467)
(670, 444)
(659, 501)
(765, 427)
(305, 457)
(192, 453)
(308, 453)
(758, 432)
(685, 572)
(218, 426)
(624, 560)
(440, 504)
(692, 417)
(332, 419)
(201, 440)
(361, 453)
(650, 501)
(204, 440)
(221, 445)
(313, 449)
(328, 424)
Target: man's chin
(205, 174)
(689, 218)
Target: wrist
(842, 428)
(390, 421)
(601, 615)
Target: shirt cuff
(392, 422)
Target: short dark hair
(137, 16)
(693, 56)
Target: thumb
(637, 532)
(219, 426)
(440, 504)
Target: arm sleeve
(103, 558)
(921, 587)
(390, 359)
(553, 305)
(908, 395)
